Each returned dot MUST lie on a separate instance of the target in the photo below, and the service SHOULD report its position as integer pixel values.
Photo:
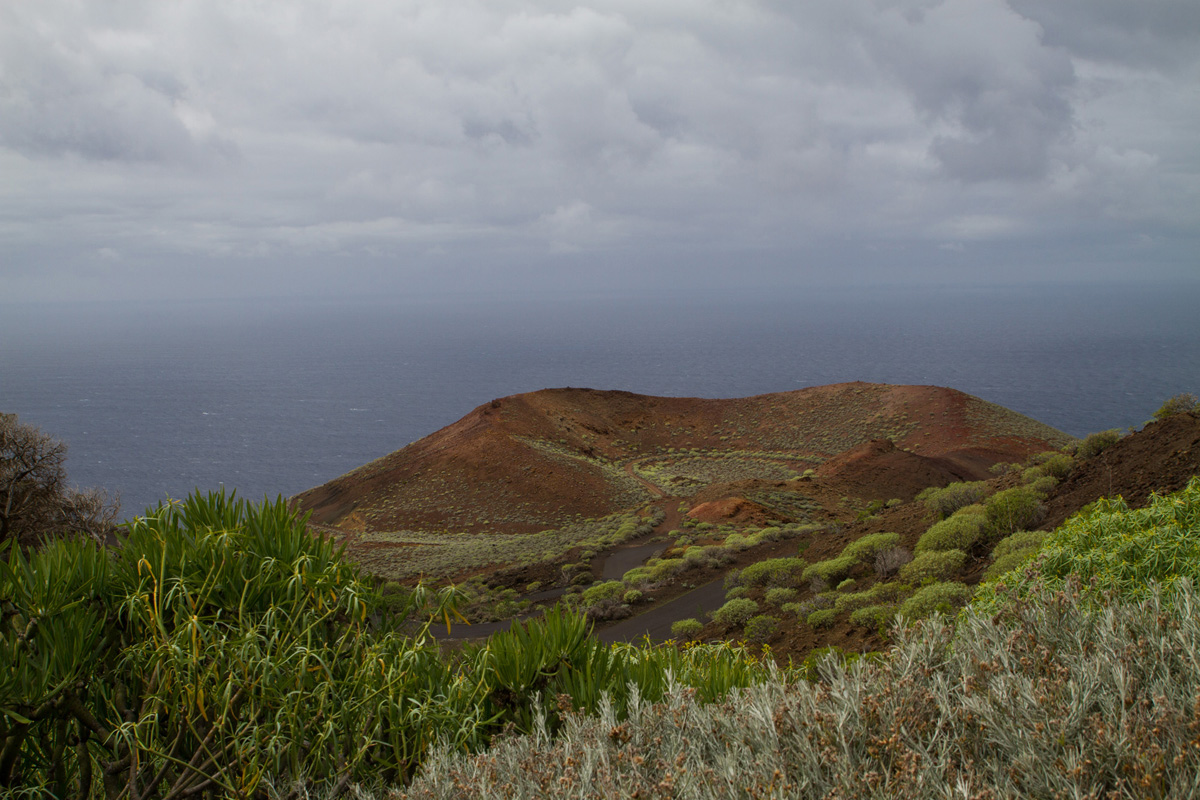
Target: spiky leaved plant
(219, 644)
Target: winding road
(654, 623)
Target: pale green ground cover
(440, 556)
(690, 471)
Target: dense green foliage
(1052, 464)
(879, 593)
(1013, 551)
(221, 647)
(959, 531)
(945, 598)
(1012, 510)
(831, 570)
(736, 611)
(781, 572)
(933, 564)
(760, 628)
(1096, 443)
(779, 596)
(864, 549)
(944, 501)
(686, 629)
(218, 644)
(1117, 550)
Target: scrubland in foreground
(222, 651)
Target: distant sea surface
(274, 397)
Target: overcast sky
(229, 147)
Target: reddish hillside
(880, 470)
(533, 461)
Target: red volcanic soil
(737, 510)
(534, 461)
(880, 470)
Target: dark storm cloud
(200, 146)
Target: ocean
(272, 397)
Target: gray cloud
(175, 145)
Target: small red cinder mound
(736, 510)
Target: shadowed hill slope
(1160, 459)
(537, 460)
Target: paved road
(625, 559)
(656, 623)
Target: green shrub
(879, 593)
(957, 532)
(831, 571)
(1021, 541)
(686, 629)
(846, 584)
(933, 564)
(734, 592)
(795, 609)
(638, 575)
(771, 533)
(632, 597)
(1096, 443)
(609, 590)
(876, 617)
(1042, 486)
(779, 596)
(864, 549)
(1007, 563)
(666, 568)
(736, 611)
(1057, 465)
(773, 572)
(1178, 404)
(822, 618)
(761, 628)
(1012, 510)
(736, 542)
(944, 597)
(944, 501)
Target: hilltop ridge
(532, 461)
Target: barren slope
(534, 461)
